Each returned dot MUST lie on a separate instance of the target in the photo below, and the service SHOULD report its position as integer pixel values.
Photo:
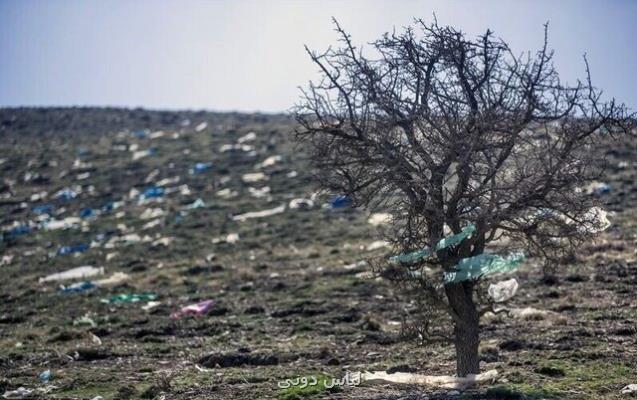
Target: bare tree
(444, 131)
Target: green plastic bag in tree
(442, 244)
(483, 264)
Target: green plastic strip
(442, 244)
(411, 257)
(457, 238)
(484, 264)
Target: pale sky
(248, 55)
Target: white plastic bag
(503, 291)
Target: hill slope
(191, 206)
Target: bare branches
(444, 130)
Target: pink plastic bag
(200, 308)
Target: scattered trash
(183, 190)
(166, 241)
(628, 389)
(301, 204)
(249, 137)
(38, 196)
(268, 162)
(596, 220)
(137, 155)
(19, 393)
(355, 266)
(377, 219)
(150, 305)
(197, 309)
(231, 238)
(84, 321)
(129, 298)
(43, 209)
(254, 177)
(79, 287)
(74, 273)
(483, 264)
(151, 224)
(77, 248)
(597, 188)
(115, 279)
(442, 244)
(457, 238)
(196, 204)
(503, 291)
(151, 193)
(259, 193)
(378, 244)
(528, 313)
(451, 382)
(339, 202)
(17, 231)
(87, 212)
(226, 148)
(151, 177)
(45, 376)
(227, 193)
(156, 135)
(168, 181)
(201, 127)
(66, 223)
(151, 213)
(200, 168)
(66, 194)
(126, 240)
(259, 214)
(110, 206)
(140, 134)
(83, 176)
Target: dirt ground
(288, 300)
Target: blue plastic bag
(200, 168)
(78, 248)
(341, 201)
(86, 212)
(43, 209)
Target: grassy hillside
(290, 296)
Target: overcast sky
(248, 55)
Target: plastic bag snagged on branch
(442, 244)
(483, 264)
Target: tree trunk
(466, 331)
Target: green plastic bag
(483, 264)
(130, 298)
(457, 238)
(442, 244)
(411, 257)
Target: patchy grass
(572, 379)
(520, 392)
